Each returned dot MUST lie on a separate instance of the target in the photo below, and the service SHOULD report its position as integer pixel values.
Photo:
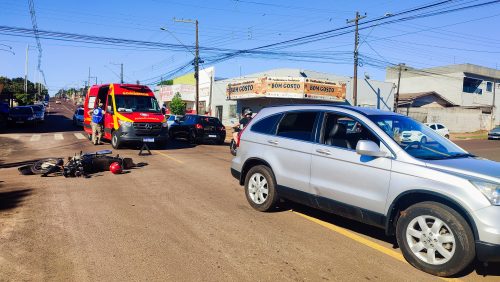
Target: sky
(468, 36)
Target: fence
(457, 119)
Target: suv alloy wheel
(260, 188)
(435, 238)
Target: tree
(177, 106)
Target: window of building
(471, 85)
(489, 86)
(232, 111)
(298, 125)
(267, 125)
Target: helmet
(247, 112)
(115, 168)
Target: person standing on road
(97, 123)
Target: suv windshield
(134, 103)
(417, 139)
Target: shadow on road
(493, 269)
(343, 222)
(12, 199)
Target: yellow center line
(169, 157)
(362, 240)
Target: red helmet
(115, 168)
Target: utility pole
(88, 83)
(121, 73)
(26, 71)
(356, 42)
(493, 106)
(396, 97)
(196, 62)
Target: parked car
(22, 115)
(58, 102)
(439, 128)
(171, 119)
(39, 112)
(441, 203)
(413, 136)
(78, 117)
(197, 129)
(494, 133)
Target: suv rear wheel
(435, 238)
(260, 188)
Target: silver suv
(441, 203)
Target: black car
(22, 115)
(494, 134)
(197, 129)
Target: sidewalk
(481, 134)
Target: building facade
(465, 85)
(227, 98)
(298, 86)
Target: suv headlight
(124, 123)
(490, 190)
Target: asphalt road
(180, 218)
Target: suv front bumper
(488, 228)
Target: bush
(177, 106)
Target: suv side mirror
(369, 148)
(109, 110)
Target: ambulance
(131, 114)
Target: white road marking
(58, 136)
(79, 136)
(35, 137)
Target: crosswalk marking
(79, 136)
(58, 136)
(35, 137)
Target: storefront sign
(324, 90)
(244, 89)
(167, 92)
(288, 87)
(283, 87)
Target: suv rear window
(298, 125)
(267, 125)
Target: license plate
(212, 136)
(148, 140)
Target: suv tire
(446, 233)
(260, 188)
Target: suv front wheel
(435, 238)
(260, 188)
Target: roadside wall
(458, 120)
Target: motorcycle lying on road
(80, 165)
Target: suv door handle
(323, 151)
(274, 142)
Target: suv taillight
(198, 126)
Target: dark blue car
(22, 115)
